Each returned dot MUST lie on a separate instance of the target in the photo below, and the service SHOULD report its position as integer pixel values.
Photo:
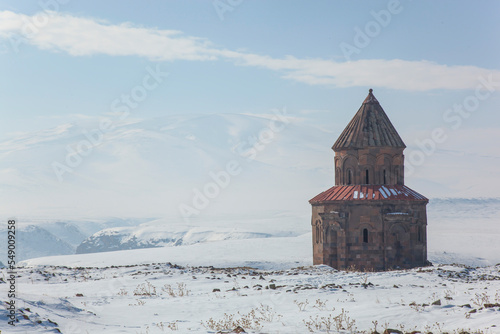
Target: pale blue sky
(39, 81)
(433, 65)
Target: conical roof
(370, 127)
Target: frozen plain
(267, 284)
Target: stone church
(369, 219)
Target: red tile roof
(368, 193)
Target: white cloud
(395, 74)
(86, 36)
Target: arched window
(317, 234)
(365, 235)
(349, 176)
(367, 179)
(385, 176)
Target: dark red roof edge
(368, 193)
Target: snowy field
(164, 298)
(258, 274)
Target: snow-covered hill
(70, 233)
(36, 238)
(190, 287)
(259, 218)
(34, 241)
(151, 167)
(159, 233)
(264, 285)
(455, 228)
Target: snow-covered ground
(161, 297)
(264, 253)
(465, 231)
(258, 273)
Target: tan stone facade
(369, 219)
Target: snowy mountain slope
(455, 226)
(42, 237)
(469, 227)
(67, 232)
(264, 253)
(165, 232)
(184, 287)
(149, 168)
(34, 241)
(144, 168)
(459, 231)
(455, 229)
(469, 208)
(157, 234)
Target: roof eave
(426, 200)
(355, 147)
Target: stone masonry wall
(395, 234)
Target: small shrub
(122, 292)
(320, 305)
(331, 323)
(139, 303)
(170, 325)
(253, 320)
(480, 299)
(180, 292)
(301, 305)
(145, 289)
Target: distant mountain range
(158, 233)
(209, 177)
(46, 238)
(145, 168)
(453, 220)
